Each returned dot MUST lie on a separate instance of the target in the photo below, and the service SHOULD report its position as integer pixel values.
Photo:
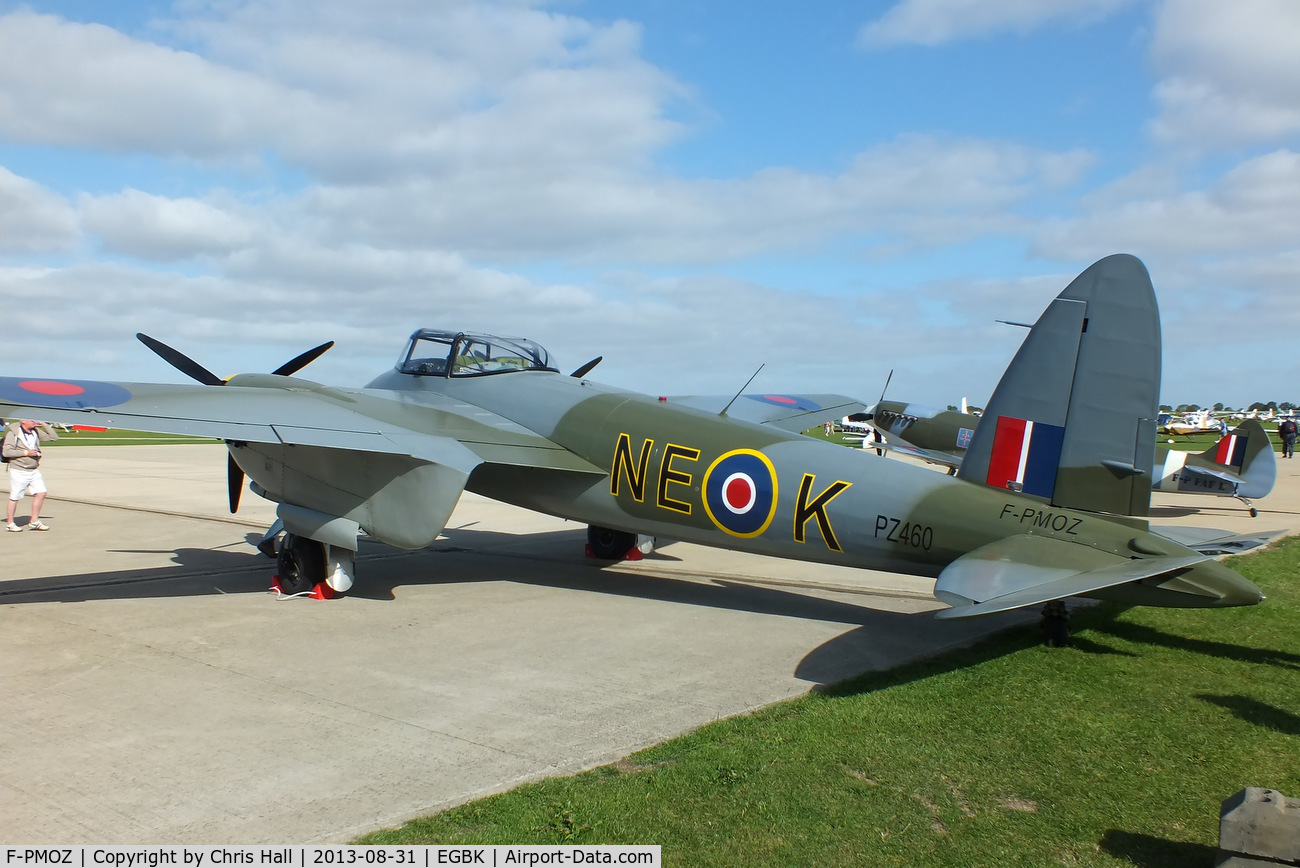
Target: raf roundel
(62, 394)
(740, 492)
(795, 402)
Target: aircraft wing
(1025, 570)
(1209, 541)
(788, 412)
(264, 408)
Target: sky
(832, 190)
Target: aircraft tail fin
(1244, 457)
(1073, 419)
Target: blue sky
(691, 189)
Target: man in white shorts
(22, 453)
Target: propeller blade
(299, 362)
(234, 482)
(886, 389)
(586, 369)
(180, 361)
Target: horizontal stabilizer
(1209, 541)
(1026, 570)
(1222, 475)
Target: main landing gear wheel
(301, 564)
(1055, 622)
(609, 545)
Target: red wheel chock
(320, 591)
(633, 554)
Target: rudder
(1072, 419)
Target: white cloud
(1254, 207)
(345, 92)
(86, 85)
(1229, 72)
(927, 190)
(1224, 261)
(499, 131)
(936, 22)
(161, 229)
(33, 219)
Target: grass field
(122, 438)
(1115, 751)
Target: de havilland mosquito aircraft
(1040, 510)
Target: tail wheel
(301, 564)
(609, 545)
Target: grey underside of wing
(1020, 571)
(436, 430)
(761, 410)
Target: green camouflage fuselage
(828, 504)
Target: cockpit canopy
(436, 353)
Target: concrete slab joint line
(1258, 826)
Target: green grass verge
(1115, 751)
(1201, 442)
(122, 438)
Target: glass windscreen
(457, 354)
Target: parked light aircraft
(1201, 422)
(1024, 522)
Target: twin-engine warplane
(1038, 512)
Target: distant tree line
(1259, 406)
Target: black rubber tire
(301, 564)
(609, 545)
(1056, 631)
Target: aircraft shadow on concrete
(549, 559)
(552, 559)
(194, 572)
(1173, 511)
